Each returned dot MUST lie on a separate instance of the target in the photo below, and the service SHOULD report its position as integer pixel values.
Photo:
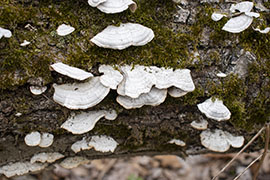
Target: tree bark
(185, 34)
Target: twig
(230, 162)
(248, 167)
(267, 133)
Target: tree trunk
(185, 37)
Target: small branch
(230, 162)
(267, 134)
(248, 167)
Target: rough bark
(186, 37)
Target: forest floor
(167, 167)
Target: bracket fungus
(71, 72)
(123, 36)
(200, 125)
(5, 32)
(20, 168)
(72, 162)
(178, 142)
(64, 30)
(217, 16)
(46, 140)
(95, 3)
(154, 98)
(99, 143)
(103, 143)
(179, 78)
(220, 141)
(25, 43)
(32, 139)
(264, 31)
(136, 81)
(80, 95)
(37, 90)
(215, 109)
(37, 139)
(111, 77)
(116, 6)
(85, 121)
(46, 157)
(243, 21)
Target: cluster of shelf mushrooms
(136, 85)
(242, 17)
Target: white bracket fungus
(36, 139)
(5, 32)
(37, 90)
(154, 98)
(80, 95)
(116, 6)
(64, 30)
(243, 21)
(217, 16)
(71, 72)
(25, 43)
(178, 142)
(238, 24)
(179, 78)
(136, 81)
(128, 34)
(32, 139)
(111, 77)
(200, 125)
(99, 143)
(85, 121)
(80, 145)
(215, 109)
(265, 31)
(220, 141)
(20, 168)
(46, 140)
(103, 143)
(73, 162)
(46, 157)
(222, 75)
(95, 3)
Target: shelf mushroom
(113, 6)
(220, 141)
(214, 109)
(123, 36)
(5, 32)
(64, 30)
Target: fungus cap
(238, 24)
(80, 145)
(64, 30)
(72, 162)
(111, 77)
(266, 30)
(80, 95)
(103, 143)
(37, 90)
(178, 142)
(215, 109)
(200, 125)
(85, 121)
(245, 6)
(123, 36)
(136, 81)
(154, 98)
(219, 140)
(46, 140)
(117, 6)
(46, 157)
(5, 32)
(71, 72)
(25, 43)
(217, 16)
(32, 139)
